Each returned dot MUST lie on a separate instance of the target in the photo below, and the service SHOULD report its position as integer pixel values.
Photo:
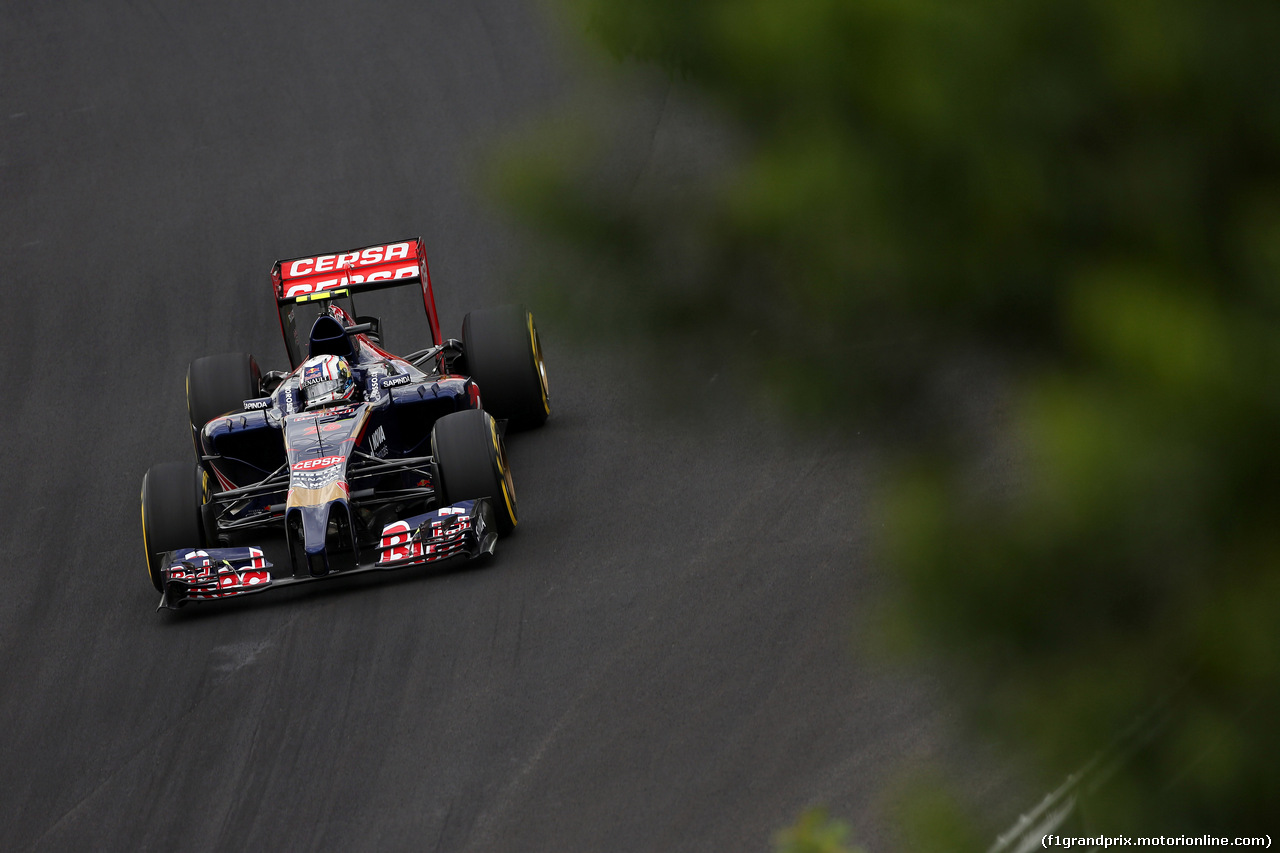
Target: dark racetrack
(660, 658)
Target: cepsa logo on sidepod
(314, 464)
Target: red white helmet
(327, 381)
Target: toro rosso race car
(359, 459)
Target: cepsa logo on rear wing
(383, 263)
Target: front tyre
(172, 496)
(472, 463)
(504, 357)
(218, 384)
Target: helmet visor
(321, 391)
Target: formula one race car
(363, 460)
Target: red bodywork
(373, 267)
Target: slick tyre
(217, 384)
(471, 460)
(504, 357)
(173, 494)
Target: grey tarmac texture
(659, 660)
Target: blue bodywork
(332, 478)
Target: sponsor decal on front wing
(223, 573)
(426, 538)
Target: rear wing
(377, 267)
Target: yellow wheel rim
(539, 364)
(504, 473)
(146, 545)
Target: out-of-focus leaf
(1082, 194)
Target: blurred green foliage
(814, 832)
(1062, 213)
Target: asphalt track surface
(659, 660)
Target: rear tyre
(472, 463)
(218, 384)
(504, 357)
(173, 494)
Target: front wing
(465, 529)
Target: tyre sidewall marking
(504, 474)
(204, 499)
(539, 366)
(146, 543)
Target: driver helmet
(327, 381)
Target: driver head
(327, 381)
